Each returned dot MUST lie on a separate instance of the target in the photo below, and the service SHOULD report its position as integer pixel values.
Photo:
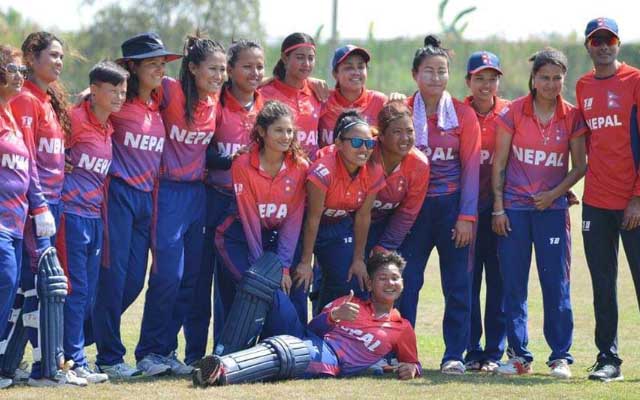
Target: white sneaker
(453, 367)
(560, 368)
(22, 373)
(177, 366)
(514, 366)
(62, 378)
(153, 365)
(5, 382)
(91, 376)
(118, 371)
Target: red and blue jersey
(270, 203)
(611, 109)
(138, 140)
(361, 343)
(344, 194)
(89, 152)
(487, 150)
(400, 201)
(185, 148)
(454, 156)
(306, 108)
(233, 131)
(539, 158)
(368, 106)
(39, 124)
(19, 187)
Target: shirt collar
(291, 91)
(561, 108)
(393, 315)
(234, 106)
(360, 102)
(36, 91)
(254, 159)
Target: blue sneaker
(153, 365)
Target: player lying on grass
(349, 336)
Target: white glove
(45, 224)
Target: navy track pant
(548, 231)
(432, 228)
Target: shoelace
(594, 367)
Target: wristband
(498, 213)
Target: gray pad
(251, 304)
(278, 357)
(16, 338)
(52, 291)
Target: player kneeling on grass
(348, 336)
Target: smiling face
(354, 157)
(300, 62)
(150, 72)
(47, 65)
(209, 74)
(108, 97)
(248, 70)
(432, 75)
(279, 135)
(399, 137)
(351, 74)
(548, 81)
(13, 80)
(484, 84)
(386, 284)
(603, 47)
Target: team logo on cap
(612, 100)
(485, 59)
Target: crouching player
(81, 229)
(349, 336)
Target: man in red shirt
(608, 97)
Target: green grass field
(432, 385)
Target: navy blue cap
(145, 45)
(343, 52)
(601, 23)
(482, 60)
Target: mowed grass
(432, 385)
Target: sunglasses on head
(356, 143)
(15, 68)
(596, 41)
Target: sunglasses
(599, 41)
(356, 143)
(15, 68)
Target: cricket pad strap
(275, 358)
(52, 291)
(252, 302)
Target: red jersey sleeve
(470, 165)
(27, 115)
(506, 119)
(289, 232)
(320, 175)
(406, 347)
(578, 126)
(405, 215)
(246, 202)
